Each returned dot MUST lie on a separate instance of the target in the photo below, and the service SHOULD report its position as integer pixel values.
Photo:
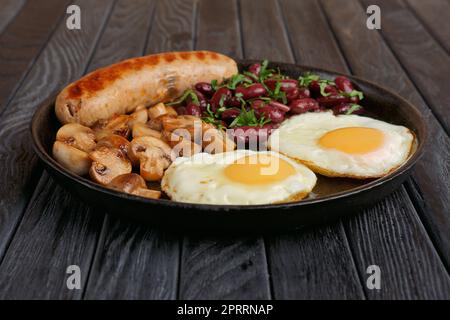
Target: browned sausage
(122, 87)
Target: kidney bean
(304, 92)
(330, 89)
(252, 91)
(215, 100)
(279, 106)
(242, 135)
(303, 105)
(204, 88)
(343, 108)
(344, 84)
(292, 94)
(193, 110)
(332, 100)
(314, 86)
(255, 68)
(274, 114)
(230, 114)
(256, 104)
(354, 99)
(286, 84)
(201, 99)
(234, 102)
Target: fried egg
(343, 146)
(240, 177)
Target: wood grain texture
(424, 60)
(46, 243)
(431, 182)
(292, 258)
(131, 261)
(48, 74)
(435, 15)
(9, 10)
(22, 41)
(410, 269)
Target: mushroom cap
(77, 136)
(117, 124)
(142, 130)
(115, 141)
(139, 116)
(108, 163)
(72, 158)
(133, 183)
(128, 182)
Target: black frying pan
(331, 198)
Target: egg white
(298, 138)
(200, 179)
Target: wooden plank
(299, 262)
(131, 261)
(411, 241)
(434, 14)
(214, 267)
(425, 61)
(45, 219)
(23, 40)
(430, 183)
(10, 8)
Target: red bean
(300, 106)
(343, 108)
(193, 110)
(255, 68)
(292, 94)
(269, 112)
(330, 89)
(252, 91)
(286, 84)
(332, 100)
(344, 84)
(256, 104)
(215, 100)
(230, 114)
(279, 106)
(304, 92)
(314, 86)
(204, 88)
(234, 102)
(354, 99)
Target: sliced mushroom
(180, 122)
(157, 111)
(71, 158)
(77, 136)
(153, 156)
(117, 124)
(142, 130)
(108, 163)
(181, 145)
(73, 142)
(114, 141)
(139, 116)
(133, 183)
(171, 111)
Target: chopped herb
(214, 84)
(185, 95)
(355, 93)
(307, 78)
(353, 108)
(248, 118)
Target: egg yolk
(353, 140)
(259, 169)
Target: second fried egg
(343, 146)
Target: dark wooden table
(44, 229)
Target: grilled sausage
(122, 87)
